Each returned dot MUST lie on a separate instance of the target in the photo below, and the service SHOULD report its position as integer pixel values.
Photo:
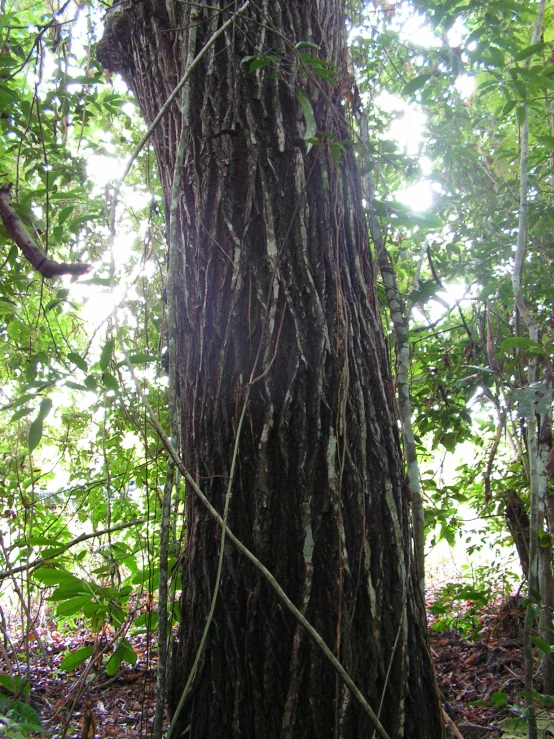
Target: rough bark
(547, 579)
(275, 288)
(517, 521)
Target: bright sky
(409, 120)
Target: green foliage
(309, 118)
(78, 461)
(18, 719)
(14, 684)
(515, 727)
(469, 355)
(76, 659)
(123, 652)
(460, 606)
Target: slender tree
(273, 318)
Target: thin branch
(64, 547)
(492, 454)
(536, 458)
(84, 681)
(39, 36)
(25, 605)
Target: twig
(452, 726)
(39, 36)
(492, 454)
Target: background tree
(491, 157)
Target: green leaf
(520, 342)
(496, 56)
(516, 7)
(426, 220)
(77, 386)
(52, 552)
(22, 399)
(64, 214)
(78, 361)
(110, 381)
(71, 588)
(337, 150)
(90, 382)
(321, 67)
(130, 655)
(113, 664)
(53, 576)
(35, 435)
(45, 408)
(259, 62)
(76, 658)
(106, 354)
(72, 605)
(521, 114)
(548, 141)
(542, 644)
(51, 305)
(499, 699)
(309, 118)
(147, 578)
(147, 620)
(307, 45)
(426, 291)
(26, 716)
(124, 652)
(529, 51)
(21, 413)
(415, 84)
(142, 358)
(508, 107)
(7, 306)
(15, 684)
(37, 541)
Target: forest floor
(480, 676)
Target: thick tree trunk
(275, 291)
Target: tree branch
(15, 228)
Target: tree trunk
(275, 292)
(517, 521)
